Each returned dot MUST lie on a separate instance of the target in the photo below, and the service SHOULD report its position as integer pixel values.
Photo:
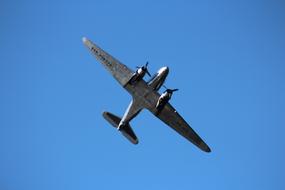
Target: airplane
(145, 95)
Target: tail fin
(126, 130)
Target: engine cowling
(164, 98)
(139, 74)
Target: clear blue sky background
(227, 58)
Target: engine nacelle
(139, 74)
(164, 98)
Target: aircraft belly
(143, 94)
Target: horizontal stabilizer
(126, 130)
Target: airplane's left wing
(172, 118)
(119, 71)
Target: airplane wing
(119, 71)
(172, 118)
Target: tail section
(126, 130)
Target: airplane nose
(165, 70)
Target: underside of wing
(119, 71)
(172, 118)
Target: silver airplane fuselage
(144, 97)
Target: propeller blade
(146, 64)
(148, 73)
(144, 68)
(170, 90)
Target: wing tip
(203, 146)
(87, 42)
(84, 40)
(208, 150)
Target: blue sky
(226, 57)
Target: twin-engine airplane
(145, 95)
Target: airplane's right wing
(119, 71)
(172, 118)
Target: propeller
(144, 68)
(170, 90)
